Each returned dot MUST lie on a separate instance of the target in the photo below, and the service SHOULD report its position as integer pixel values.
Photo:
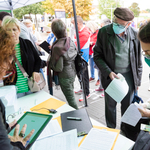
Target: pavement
(96, 103)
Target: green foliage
(30, 9)
(136, 10)
(106, 5)
(83, 7)
(148, 10)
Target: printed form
(132, 114)
(51, 129)
(63, 141)
(98, 139)
(118, 88)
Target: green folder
(34, 121)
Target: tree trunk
(36, 23)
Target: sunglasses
(9, 73)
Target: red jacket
(93, 39)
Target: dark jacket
(64, 63)
(5, 143)
(104, 54)
(30, 59)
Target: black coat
(104, 54)
(30, 59)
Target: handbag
(80, 63)
(33, 85)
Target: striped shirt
(22, 82)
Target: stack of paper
(63, 141)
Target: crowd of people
(105, 47)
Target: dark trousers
(110, 104)
(133, 132)
(86, 81)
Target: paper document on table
(98, 139)
(132, 115)
(118, 88)
(63, 141)
(51, 129)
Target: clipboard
(82, 126)
(45, 45)
(103, 128)
(34, 121)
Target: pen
(74, 118)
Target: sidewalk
(96, 104)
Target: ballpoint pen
(74, 118)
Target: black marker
(74, 118)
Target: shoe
(102, 95)
(81, 99)
(97, 83)
(149, 88)
(99, 90)
(91, 79)
(78, 92)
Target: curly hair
(7, 48)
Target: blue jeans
(91, 62)
(23, 94)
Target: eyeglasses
(145, 54)
(119, 25)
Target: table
(26, 102)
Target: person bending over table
(144, 37)
(63, 53)
(26, 54)
(16, 141)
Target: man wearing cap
(118, 50)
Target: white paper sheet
(63, 141)
(132, 115)
(118, 88)
(98, 139)
(51, 129)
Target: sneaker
(91, 79)
(149, 88)
(99, 90)
(81, 99)
(102, 95)
(78, 92)
(97, 83)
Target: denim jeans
(23, 94)
(91, 62)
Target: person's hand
(20, 136)
(112, 75)
(12, 123)
(91, 43)
(36, 76)
(50, 47)
(144, 112)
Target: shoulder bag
(33, 85)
